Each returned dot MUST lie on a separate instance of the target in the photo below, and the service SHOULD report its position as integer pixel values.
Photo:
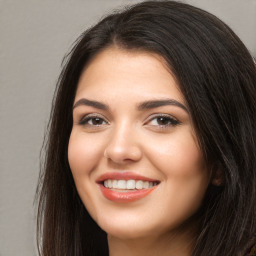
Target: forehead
(128, 72)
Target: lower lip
(125, 197)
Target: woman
(151, 146)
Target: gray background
(35, 35)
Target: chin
(128, 232)
(126, 228)
(131, 227)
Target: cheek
(184, 166)
(184, 171)
(178, 156)
(83, 153)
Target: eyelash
(93, 117)
(168, 120)
(171, 122)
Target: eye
(93, 120)
(162, 121)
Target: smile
(128, 184)
(123, 187)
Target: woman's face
(133, 152)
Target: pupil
(96, 121)
(163, 120)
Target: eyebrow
(91, 103)
(144, 105)
(159, 103)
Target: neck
(176, 243)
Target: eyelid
(173, 120)
(157, 115)
(92, 115)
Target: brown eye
(163, 121)
(93, 121)
(96, 121)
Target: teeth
(114, 184)
(145, 184)
(139, 184)
(109, 184)
(129, 184)
(121, 184)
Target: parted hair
(217, 76)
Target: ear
(218, 178)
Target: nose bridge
(123, 143)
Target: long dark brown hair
(217, 77)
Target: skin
(125, 138)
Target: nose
(123, 145)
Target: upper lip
(123, 176)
